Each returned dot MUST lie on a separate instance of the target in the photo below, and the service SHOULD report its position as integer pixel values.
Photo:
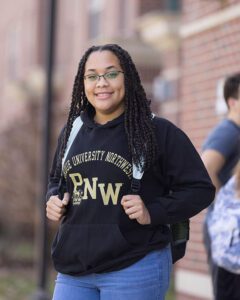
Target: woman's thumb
(66, 198)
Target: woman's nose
(101, 81)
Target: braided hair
(138, 118)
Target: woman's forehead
(101, 60)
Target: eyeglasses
(107, 76)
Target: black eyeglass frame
(87, 77)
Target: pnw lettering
(85, 189)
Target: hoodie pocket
(79, 248)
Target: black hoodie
(96, 235)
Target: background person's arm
(213, 161)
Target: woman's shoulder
(163, 123)
(166, 128)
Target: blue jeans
(147, 279)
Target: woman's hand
(135, 209)
(56, 207)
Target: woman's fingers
(132, 210)
(55, 208)
(135, 208)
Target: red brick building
(198, 50)
(210, 43)
(21, 84)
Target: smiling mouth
(103, 95)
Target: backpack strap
(136, 179)
(77, 124)
(137, 174)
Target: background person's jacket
(96, 235)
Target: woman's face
(105, 94)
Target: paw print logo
(77, 197)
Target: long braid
(138, 119)
(78, 104)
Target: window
(12, 53)
(159, 5)
(220, 104)
(95, 9)
(122, 15)
(164, 89)
(173, 5)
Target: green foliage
(20, 283)
(16, 284)
(171, 293)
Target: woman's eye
(92, 77)
(111, 75)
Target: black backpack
(180, 236)
(179, 231)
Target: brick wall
(206, 56)
(18, 54)
(196, 9)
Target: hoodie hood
(88, 119)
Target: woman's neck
(104, 118)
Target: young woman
(113, 244)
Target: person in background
(220, 155)
(113, 244)
(224, 230)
